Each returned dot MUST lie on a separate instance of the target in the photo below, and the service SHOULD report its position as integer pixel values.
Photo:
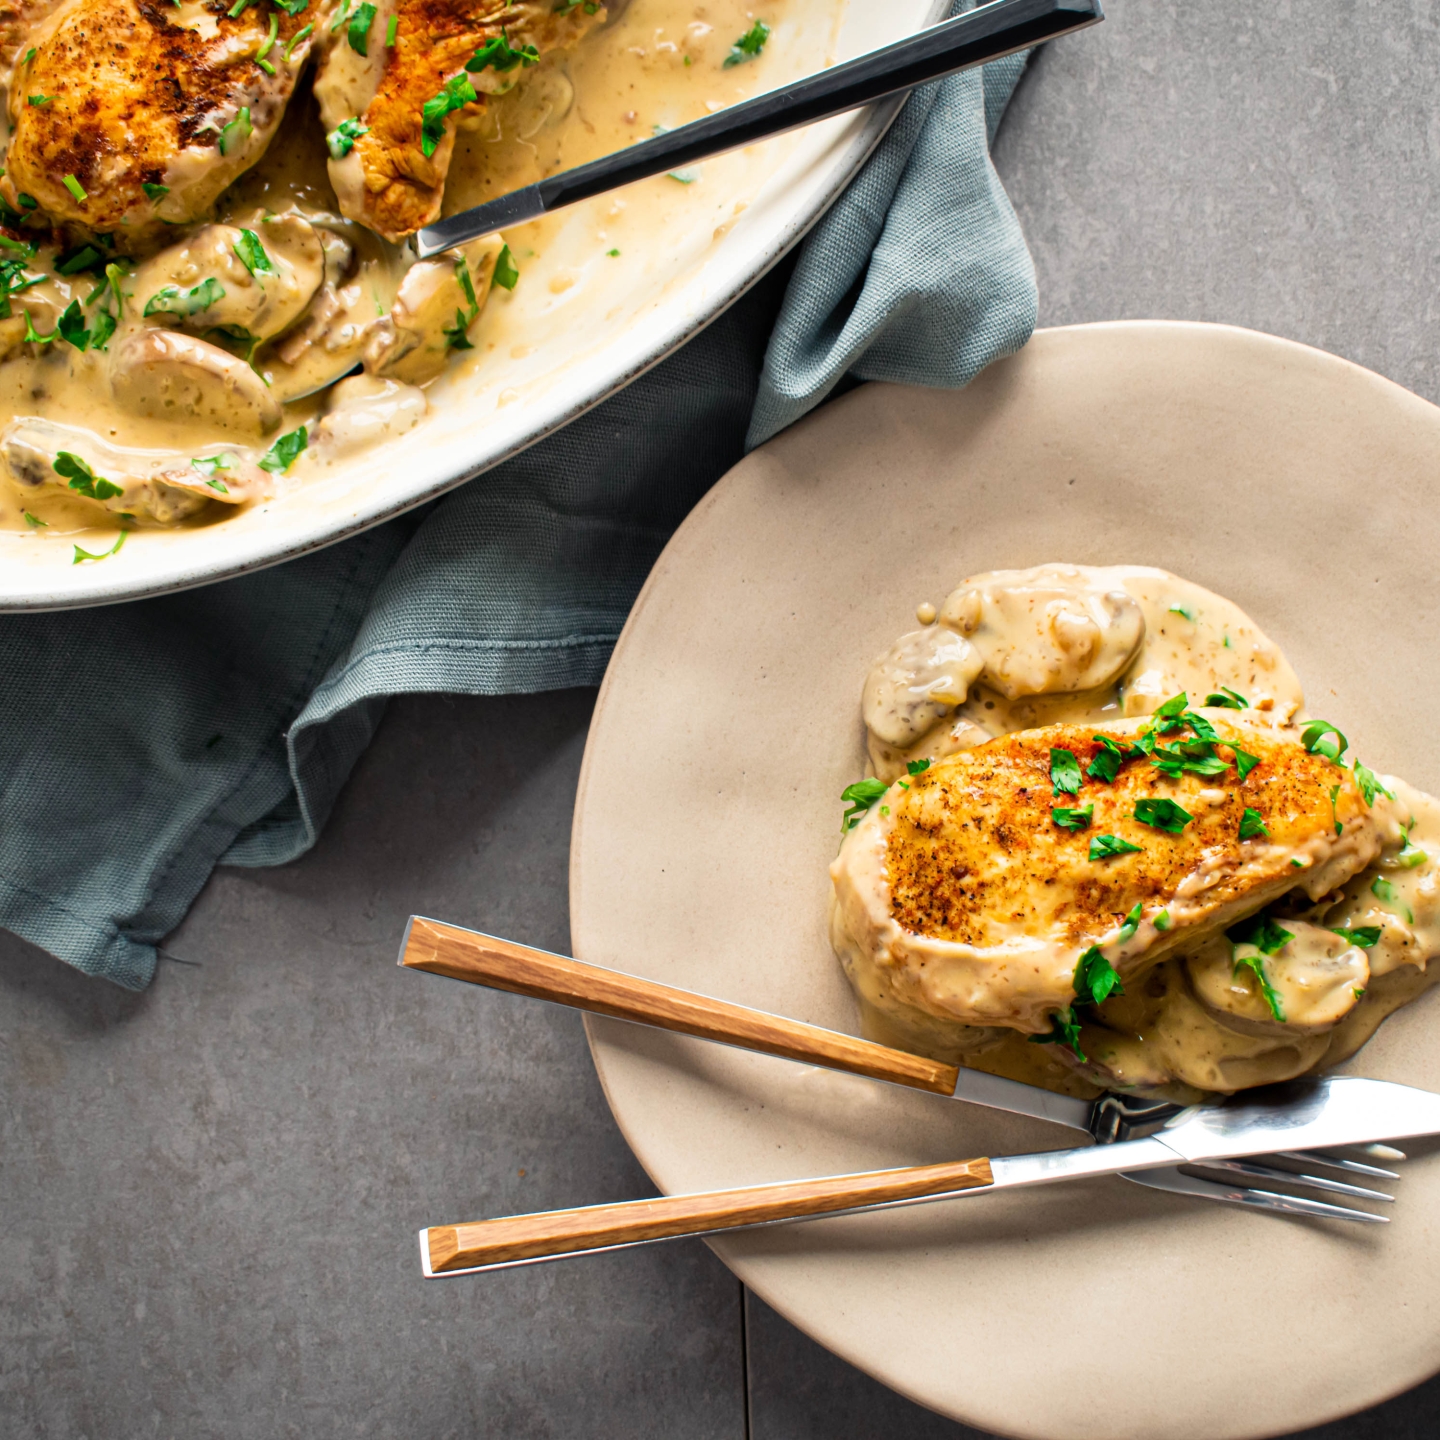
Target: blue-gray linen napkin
(142, 744)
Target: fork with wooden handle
(1334, 1110)
(503, 965)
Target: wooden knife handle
(553, 1233)
(504, 965)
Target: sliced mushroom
(919, 680)
(433, 313)
(1051, 630)
(251, 281)
(365, 410)
(165, 375)
(142, 484)
(1316, 979)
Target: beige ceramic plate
(1295, 483)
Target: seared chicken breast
(971, 891)
(424, 67)
(129, 113)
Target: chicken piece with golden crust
(129, 113)
(392, 110)
(962, 895)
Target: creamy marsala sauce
(163, 373)
(1261, 899)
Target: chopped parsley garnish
(1183, 611)
(1410, 854)
(74, 187)
(1335, 814)
(285, 451)
(29, 56)
(72, 262)
(27, 202)
(1064, 772)
(500, 55)
(292, 7)
(1256, 965)
(1227, 699)
(34, 521)
(1169, 716)
(341, 140)
(457, 93)
(238, 8)
(1252, 826)
(1321, 738)
(1370, 785)
(1096, 979)
(103, 555)
(237, 132)
(1245, 762)
(687, 176)
(1382, 889)
(916, 767)
(1069, 819)
(33, 336)
(153, 191)
(455, 336)
(860, 796)
(295, 39)
(267, 45)
(1261, 932)
(358, 35)
(1364, 935)
(1104, 846)
(391, 28)
(506, 273)
(612, 253)
(172, 301)
(1162, 920)
(208, 465)
(749, 45)
(38, 101)
(71, 327)
(339, 19)
(83, 479)
(1064, 1030)
(1197, 756)
(1162, 814)
(1130, 924)
(252, 254)
(1203, 729)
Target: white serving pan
(546, 354)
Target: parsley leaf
(170, 300)
(1261, 932)
(83, 479)
(860, 796)
(299, 37)
(1064, 1030)
(1162, 814)
(285, 451)
(1183, 610)
(1162, 920)
(1109, 758)
(1364, 935)
(456, 93)
(71, 326)
(208, 465)
(1168, 716)
(455, 336)
(153, 191)
(506, 273)
(1245, 762)
(103, 555)
(1130, 924)
(358, 34)
(1197, 756)
(1382, 889)
(341, 140)
(391, 29)
(916, 767)
(291, 7)
(1104, 846)
(1335, 814)
(1256, 965)
(34, 521)
(1064, 772)
(498, 54)
(237, 132)
(1320, 737)
(1410, 855)
(252, 254)
(1227, 699)
(72, 262)
(1252, 825)
(749, 45)
(1069, 819)
(1096, 978)
(1370, 785)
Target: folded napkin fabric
(142, 744)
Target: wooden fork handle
(503, 965)
(516, 1239)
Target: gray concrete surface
(209, 1191)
